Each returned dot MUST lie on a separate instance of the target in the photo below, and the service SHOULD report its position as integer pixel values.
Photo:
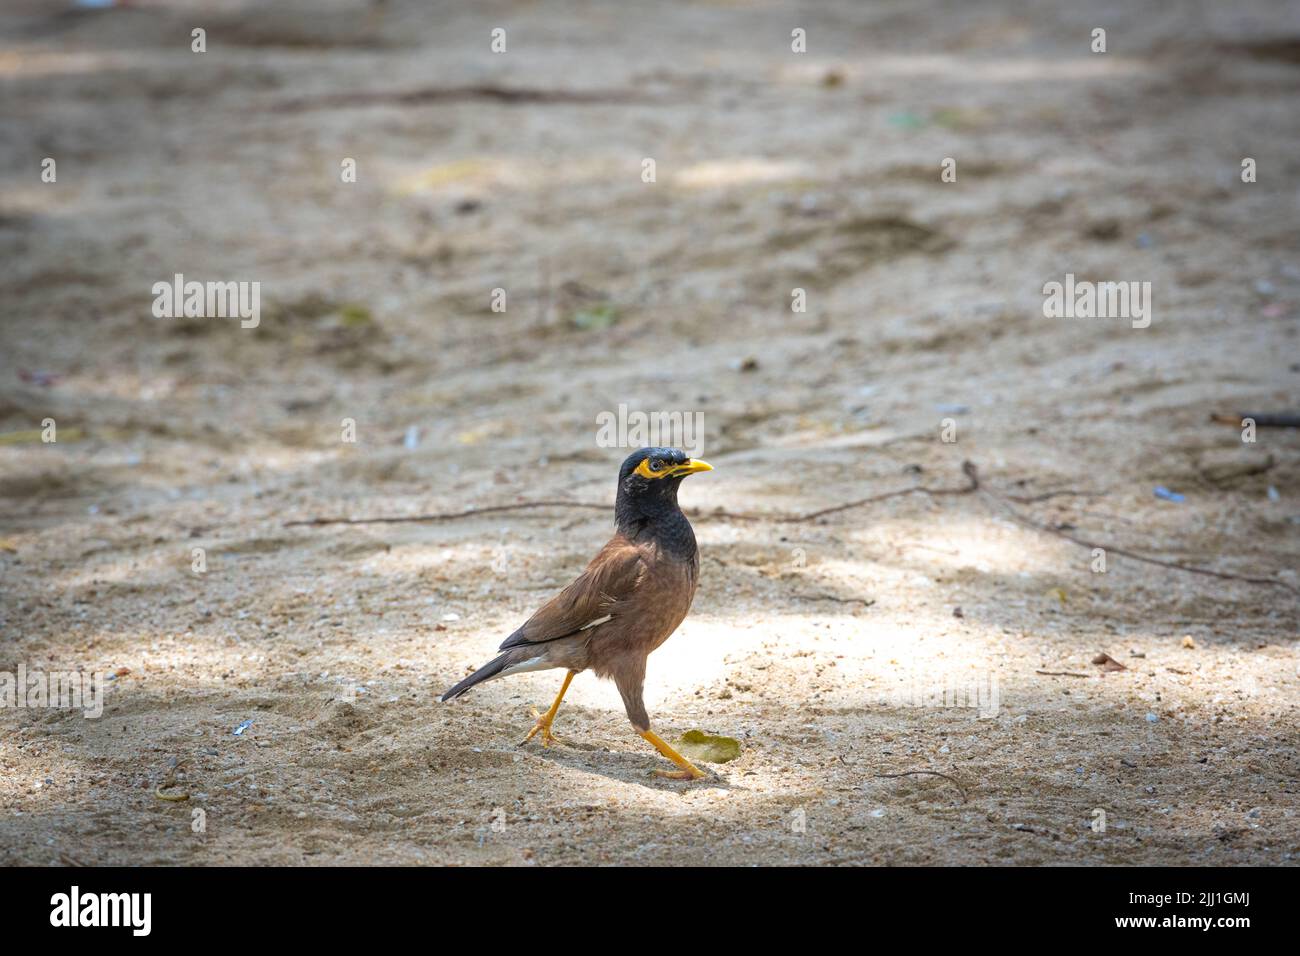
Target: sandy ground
(808, 640)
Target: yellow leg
(544, 720)
(688, 772)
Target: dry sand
(775, 170)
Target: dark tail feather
(489, 670)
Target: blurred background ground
(774, 171)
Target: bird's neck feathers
(658, 518)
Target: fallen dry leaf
(1108, 663)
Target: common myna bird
(626, 603)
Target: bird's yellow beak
(692, 466)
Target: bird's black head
(648, 482)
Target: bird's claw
(692, 774)
(543, 726)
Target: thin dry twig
(1125, 552)
(1049, 495)
(717, 513)
(448, 515)
(424, 96)
(928, 773)
(973, 486)
(1261, 419)
(865, 602)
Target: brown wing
(609, 579)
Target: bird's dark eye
(656, 464)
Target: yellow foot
(543, 726)
(693, 774)
(686, 770)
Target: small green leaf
(354, 316)
(599, 317)
(697, 745)
(908, 120)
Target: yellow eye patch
(688, 468)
